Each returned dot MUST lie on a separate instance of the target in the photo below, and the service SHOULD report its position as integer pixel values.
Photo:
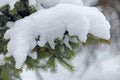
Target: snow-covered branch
(51, 24)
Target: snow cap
(77, 2)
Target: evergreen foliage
(47, 57)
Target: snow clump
(51, 24)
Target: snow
(66, 42)
(22, 35)
(53, 23)
(97, 22)
(77, 2)
(11, 3)
(107, 69)
(10, 24)
(32, 2)
(40, 4)
(28, 74)
(49, 3)
(36, 4)
(2, 62)
(33, 55)
(90, 2)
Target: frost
(41, 4)
(51, 24)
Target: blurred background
(94, 62)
